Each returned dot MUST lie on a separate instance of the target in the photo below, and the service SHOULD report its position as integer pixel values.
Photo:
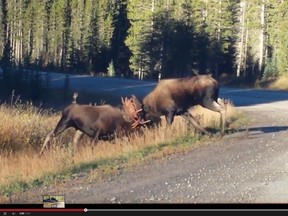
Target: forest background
(148, 39)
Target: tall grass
(281, 83)
(23, 129)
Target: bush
(270, 70)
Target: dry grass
(281, 83)
(274, 83)
(23, 129)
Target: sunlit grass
(23, 129)
(281, 83)
(273, 83)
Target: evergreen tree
(33, 32)
(146, 38)
(76, 48)
(56, 32)
(120, 52)
(278, 41)
(91, 39)
(252, 44)
(219, 18)
(140, 16)
(14, 23)
(105, 12)
(200, 40)
(255, 33)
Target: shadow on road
(268, 129)
(250, 97)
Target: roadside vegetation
(274, 83)
(130, 39)
(24, 126)
(270, 82)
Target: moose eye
(146, 109)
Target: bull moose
(176, 96)
(96, 121)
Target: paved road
(126, 87)
(101, 85)
(250, 166)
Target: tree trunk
(261, 45)
(245, 50)
(241, 48)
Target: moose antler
(130, 108)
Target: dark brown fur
(94, 121)
(173, 97)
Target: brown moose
(176, 96)
(96, 121)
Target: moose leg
(95, 138)
(169, 120)
(62, 125)
(170, 117)
(47, 139)
(192, 121)
(214, 106)
(77, 136)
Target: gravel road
(250, 166)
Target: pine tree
(219, 20)
(140, 16)
(178, 40)
(119, 51)
(278, 41)
(14, 23)
(56, 34)
(256, 27)
(91, 40)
